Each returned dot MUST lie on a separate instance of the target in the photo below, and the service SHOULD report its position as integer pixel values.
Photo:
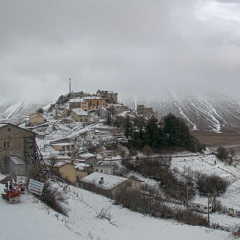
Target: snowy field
(31, 219)
(206, 164)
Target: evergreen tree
(171, 129)
(153, 132)
(128, 127)
(161, 142)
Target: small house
(108, 169)
(109, 185)
(69, 170)
(66, 170)
(13, 165)
(80, 115)
(36, 119)
(89, 158)
(64, 146)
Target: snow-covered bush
(52, 195)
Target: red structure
(12, 191)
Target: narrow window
(6, 144)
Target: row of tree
(170, 132)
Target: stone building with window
(18, 142)
(110, 96)
(78, 103)
(94, 102)
(80, 115)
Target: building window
(6, 144)
(68, 148)
(72, 146)
(63, 148)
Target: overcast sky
(131, 46)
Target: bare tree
(52, 162)
(147, 150)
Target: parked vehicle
(199, 207)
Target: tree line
(168, 133)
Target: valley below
(213, 140)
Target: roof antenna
(70, 86)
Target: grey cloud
(126, 46)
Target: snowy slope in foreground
(32, 220)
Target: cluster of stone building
(18, 148)
(80, 104)
(146, 112)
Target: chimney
(101, 181)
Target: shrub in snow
(105, 213)
(213, 184)
(159, 169)
(155, 207)
(54, 197)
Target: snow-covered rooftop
(17, 160)
(125, 114)
(2, 125)
(63, 144)
(81, 166)
(76, 100)
(87, 155)
(93, 97)
(79, 111)
(109, 181)
(60, 164)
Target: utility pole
(208, 208)
(187, 197)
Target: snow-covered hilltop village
(89, 167)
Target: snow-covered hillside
(208, 111)
(31, 219)
(17, 111)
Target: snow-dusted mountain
(209, 111)
(17, 111)
(215, 112)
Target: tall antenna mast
(70, 90)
